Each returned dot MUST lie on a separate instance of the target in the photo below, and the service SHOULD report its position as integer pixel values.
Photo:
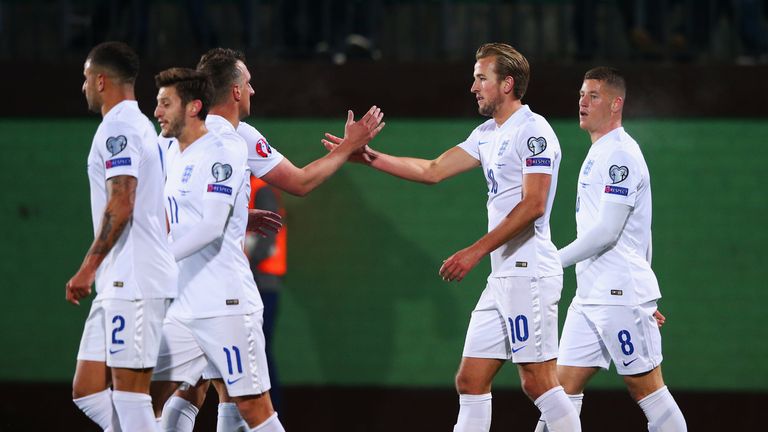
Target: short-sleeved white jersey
(615, 171)
(524, 144)
(261, 156)
(216, 280)
(140, 265)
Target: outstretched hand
(263, 222)
(362, 155)
(359, 133)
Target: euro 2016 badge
(262, 148)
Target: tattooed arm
(117, 214)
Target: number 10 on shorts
(518, 328)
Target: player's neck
(115, 96)
(228, 111)
(191, 133)
(596, 134)
(505, 111)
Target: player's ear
(509, 85)
(194, 107)
(100, 81)
(236, 93)
(617, 104)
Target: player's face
(246, 91)
(90, 88)
(486, 86)
(595, 100)
(170, 112)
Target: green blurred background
(363, 304)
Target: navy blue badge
(116, 144)
(221, 171)
(618, 173)
(537, 145)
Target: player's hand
(362, 155)
(263, 222)
(359, 133)
(459, 264)
(660, 319)
(79, 287)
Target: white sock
(558, 411)
(98, 407)
(134, 411)
(474, 413)
(662, 412)
(271, 425)
(178, 415)
(229, 419)
(576, 400)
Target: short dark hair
(221, 65)
(609, 75)
(509, 62)
(190, 85)
(118, 58)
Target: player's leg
(530, 307)
(228, 416)
(179, 411)
(486, 348)
(90, 385)
(180, 360)
(632, 336)
(134, 342)
(235, 346)
(130, 396)
(573, 380)
(660, 408)
(91, 392)
(473, 383)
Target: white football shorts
(233, 345)
(515, 319)
(593, 335)
(124, 333)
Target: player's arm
(215, 216)
(121, 191)
(448, 164)
(605, 233)
(531, 207)
(301, 181)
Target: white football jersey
(216, 280)
(615, 171)
(140, 265)
(524, 144)
(261, 156)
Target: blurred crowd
(393, 30)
